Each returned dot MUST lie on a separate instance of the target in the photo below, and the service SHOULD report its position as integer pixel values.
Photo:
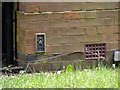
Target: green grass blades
(99, 77)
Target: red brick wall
(67, 25)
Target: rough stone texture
(37, 17)
(107, 14)
(110, 38)
(66, 6)
(39, 66)
(76, 60)
(112, 46)
(90, 30)
(73, 15)
(93, 38)
(58, 65)
(45, 66)
(61, 48)
(107, 30)
(68, 26)
(72, 31)
(73, 57)
(37, 25)
(109, 21)
(110, 57)
(30, 42)
(29, 49)
(55, 16)
(90, 14)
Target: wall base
(76, 60)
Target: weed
(69, 68)
(7, 70)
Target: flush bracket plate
(40, 42)
(94, 51)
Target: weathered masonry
(49, 29)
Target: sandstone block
(44, 25)
(75, 6)
(73, 23)
(107, 30)
(110, 38)
(112, 46)
(90, 14)
(29, 49)
(30, 42)
(107, 14)
(92, 5)
(55, 40)
(72, 31)
(36, 17)
(109, 21)
(57, 24)
(111, 5)
(56, 65)
(92, 38)
(53, 6)
(55, 16)
(73, 15)
(90, 30)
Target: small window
(40, 42)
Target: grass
(86, 78)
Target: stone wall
(68, 26)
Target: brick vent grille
(95, 51)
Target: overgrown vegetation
(99, 77)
